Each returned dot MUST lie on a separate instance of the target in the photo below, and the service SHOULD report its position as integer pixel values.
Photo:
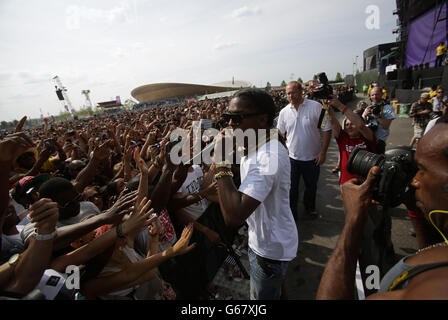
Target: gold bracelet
(223, 174)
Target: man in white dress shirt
(298, 121)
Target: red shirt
(346, 146)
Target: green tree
(283, 84)
(300, 80)
(315, 77)
(339, 77)
(268, 85)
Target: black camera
(371, 122)
(372, 118)
(398, 168)
(377, 109)
(323, 90)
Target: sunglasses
(237, 118)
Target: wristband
(120, 232)
(344, 110)
(43, 237)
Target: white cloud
(246, 12)
(77, 15)
(118, 53)
(110, 52)
(225, 45)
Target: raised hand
(140, 162)
(14, 145)
(139, 218)
(20, 125)
(45, 214)
(122, 206)
(102, 152)
(181, 246)
(210, 191)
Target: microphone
(207, 150)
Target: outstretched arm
(137, 220)
(86, 175)
(26, 274)
(354, 118)
(136, 272)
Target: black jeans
(439, 60)
(310, 172)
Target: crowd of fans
(83, 193)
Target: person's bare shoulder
(428, 285)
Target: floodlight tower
(86, 94)
(63, 91)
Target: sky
(111, 47)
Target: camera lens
(361, 161)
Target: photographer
(379, 117)
(419, 276)
(420, 112)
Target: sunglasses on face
(237, 118)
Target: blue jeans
(310, 172)
(266, 277)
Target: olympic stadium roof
(160, 91)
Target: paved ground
(318, 238)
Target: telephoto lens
(361, 161)
(397, 166)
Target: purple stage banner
(423, 39)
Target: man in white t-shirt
(298, 122)
(262, 199)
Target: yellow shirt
(441, 50)
(49, 165)
(384, 94)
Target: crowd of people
(103, 195)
